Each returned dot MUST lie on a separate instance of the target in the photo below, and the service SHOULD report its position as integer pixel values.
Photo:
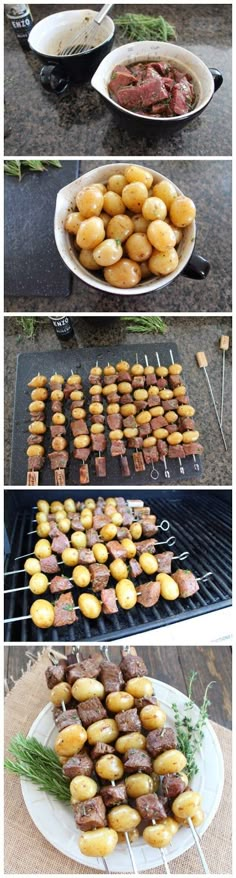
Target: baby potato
(41, 517)
(126, 594)
(116, 183)
(117, 518)
(133, 740)
(70, 557)
(179, 391)
(42, 548)
(60, 692)
(86, 259)
(110, 767)
(123, 818)
(65, 525)
(38, 381)
(38, 583)
(129, 547)
(86, 518)
(158, 835)
(149, 442)
(128, 409)
(37, 406)
(186, 804)
(42, 614)
(40, 393)
(171, 824)
(60, 515)
(109, 370)
(169, 588)
(56, 506)
(70, 740)
(105, 218)
(135, 174)
(130, 432)
(87, 687)
(139, 223)
(78, 539)
(139, 784)
(43, 529)
(90, 606)
(143, 418)
(190, 436)
(116, 434)
(82, 788)
(169, 762)
(152, 717)
(108, 532)
(73, 222)
(82, 441)
(171, 417)
(74, 378)
(125, 387)
(124, 274)
(166, 191)
(133, 836)
(108, 252)
(104, 731)
(136, 530)
(160, 433)
(156, 411)
(153, 209)
(32, 566)
(117, 701)
(186, 411)
(37, 427)
(69, 505)
(59, 443)
(109, 388)
(96, 408)
(120, 227)
(182, 211)
(59, 418)
(145, 271)
(163, 263)
(89, 202)
(177, 233)
(161, 235)
(138, 247)
(97, 428)
(99, 842)
(100, 553)
(175, 438)
(137, 369)
(90, 233)
(113, 203)
(134, 195)
(148, 563)
(81, 576)
(139, 687)
(89, 502)
(57, 395)
(161, 371)
(166, 394)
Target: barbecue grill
(199, 520)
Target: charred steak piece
(55, 674)
(172, 785)
(64, 610)
(109, 601)
(161, 739)
(100, 749)
(90, 711)
(137, 760)
(114, 795)
(150, 807)
(59, 583)
(66, 718)
(128, 720)
(88, 668)
(100, 575)
(111, 677)
(132, 666)
(90, 814)
(79, 764)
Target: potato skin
(98, 842)
(70, 740)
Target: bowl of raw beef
(155, 88)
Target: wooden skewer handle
(224, 342)
(201, 360)
(32, 478)
(59, 475)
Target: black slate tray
(33, 266)
(82, 361)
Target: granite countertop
(208, 182)
(190, 334)
(37, 123)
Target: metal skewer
(167, 473)
(197, 842)
(154, 474)
(181, 468)
(224, 346)
(203, 363)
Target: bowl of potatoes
(124, 228)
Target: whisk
(88, 33)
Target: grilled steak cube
(60, 543)
(59, 583)
(149, 593)
(81, 454)
(137, 760)
(92, 537)
(132, 666)
(146, 546)
(173, 785)
(66, 718)
(186, 582)
(100, 749)
(90, 711)
(64, 610)
(90, 814)
(35, 462)
(109, 601)
(161, 739)
(55, 674)
(111, 677)
(79, 764)
(116, 550)
(49, 565)
(88, 668)
(135, 567)
(128, 721)
(100, 576)
(151, 455)
(86, 556)
(116, 795)
(164, 561)
(149, 526)
(150, 807)
(142, 702)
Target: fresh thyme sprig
(15, 168)
(190, 735)
(144, 324)
(39, 764)
(145, 27)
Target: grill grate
(201, 523)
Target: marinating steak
(58, 459)
(99, 441)
(132, 666)
(35, 462)
(79, 764)
(128, 720)
(64, 611)
(161, 739)
(79, 428)
(117, 447)
(90, 814)
(57, 430)
(90, 711)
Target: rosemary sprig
(145, 27)
(15, 168)
(190, 735)
(144, 324)
(39, 764)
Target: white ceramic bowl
(65, 203)
(53, 34)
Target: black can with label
(22, 21)
(63, 326)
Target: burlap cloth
(27, 851)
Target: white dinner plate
(55, 819)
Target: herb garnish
(39, 764)
(15, 168)
(145, 27)
(144, 324)
(190, 735)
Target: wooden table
(167, 663)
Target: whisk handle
(103, 12)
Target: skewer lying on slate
(37, 429)
(224, 346)
(203, 363)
